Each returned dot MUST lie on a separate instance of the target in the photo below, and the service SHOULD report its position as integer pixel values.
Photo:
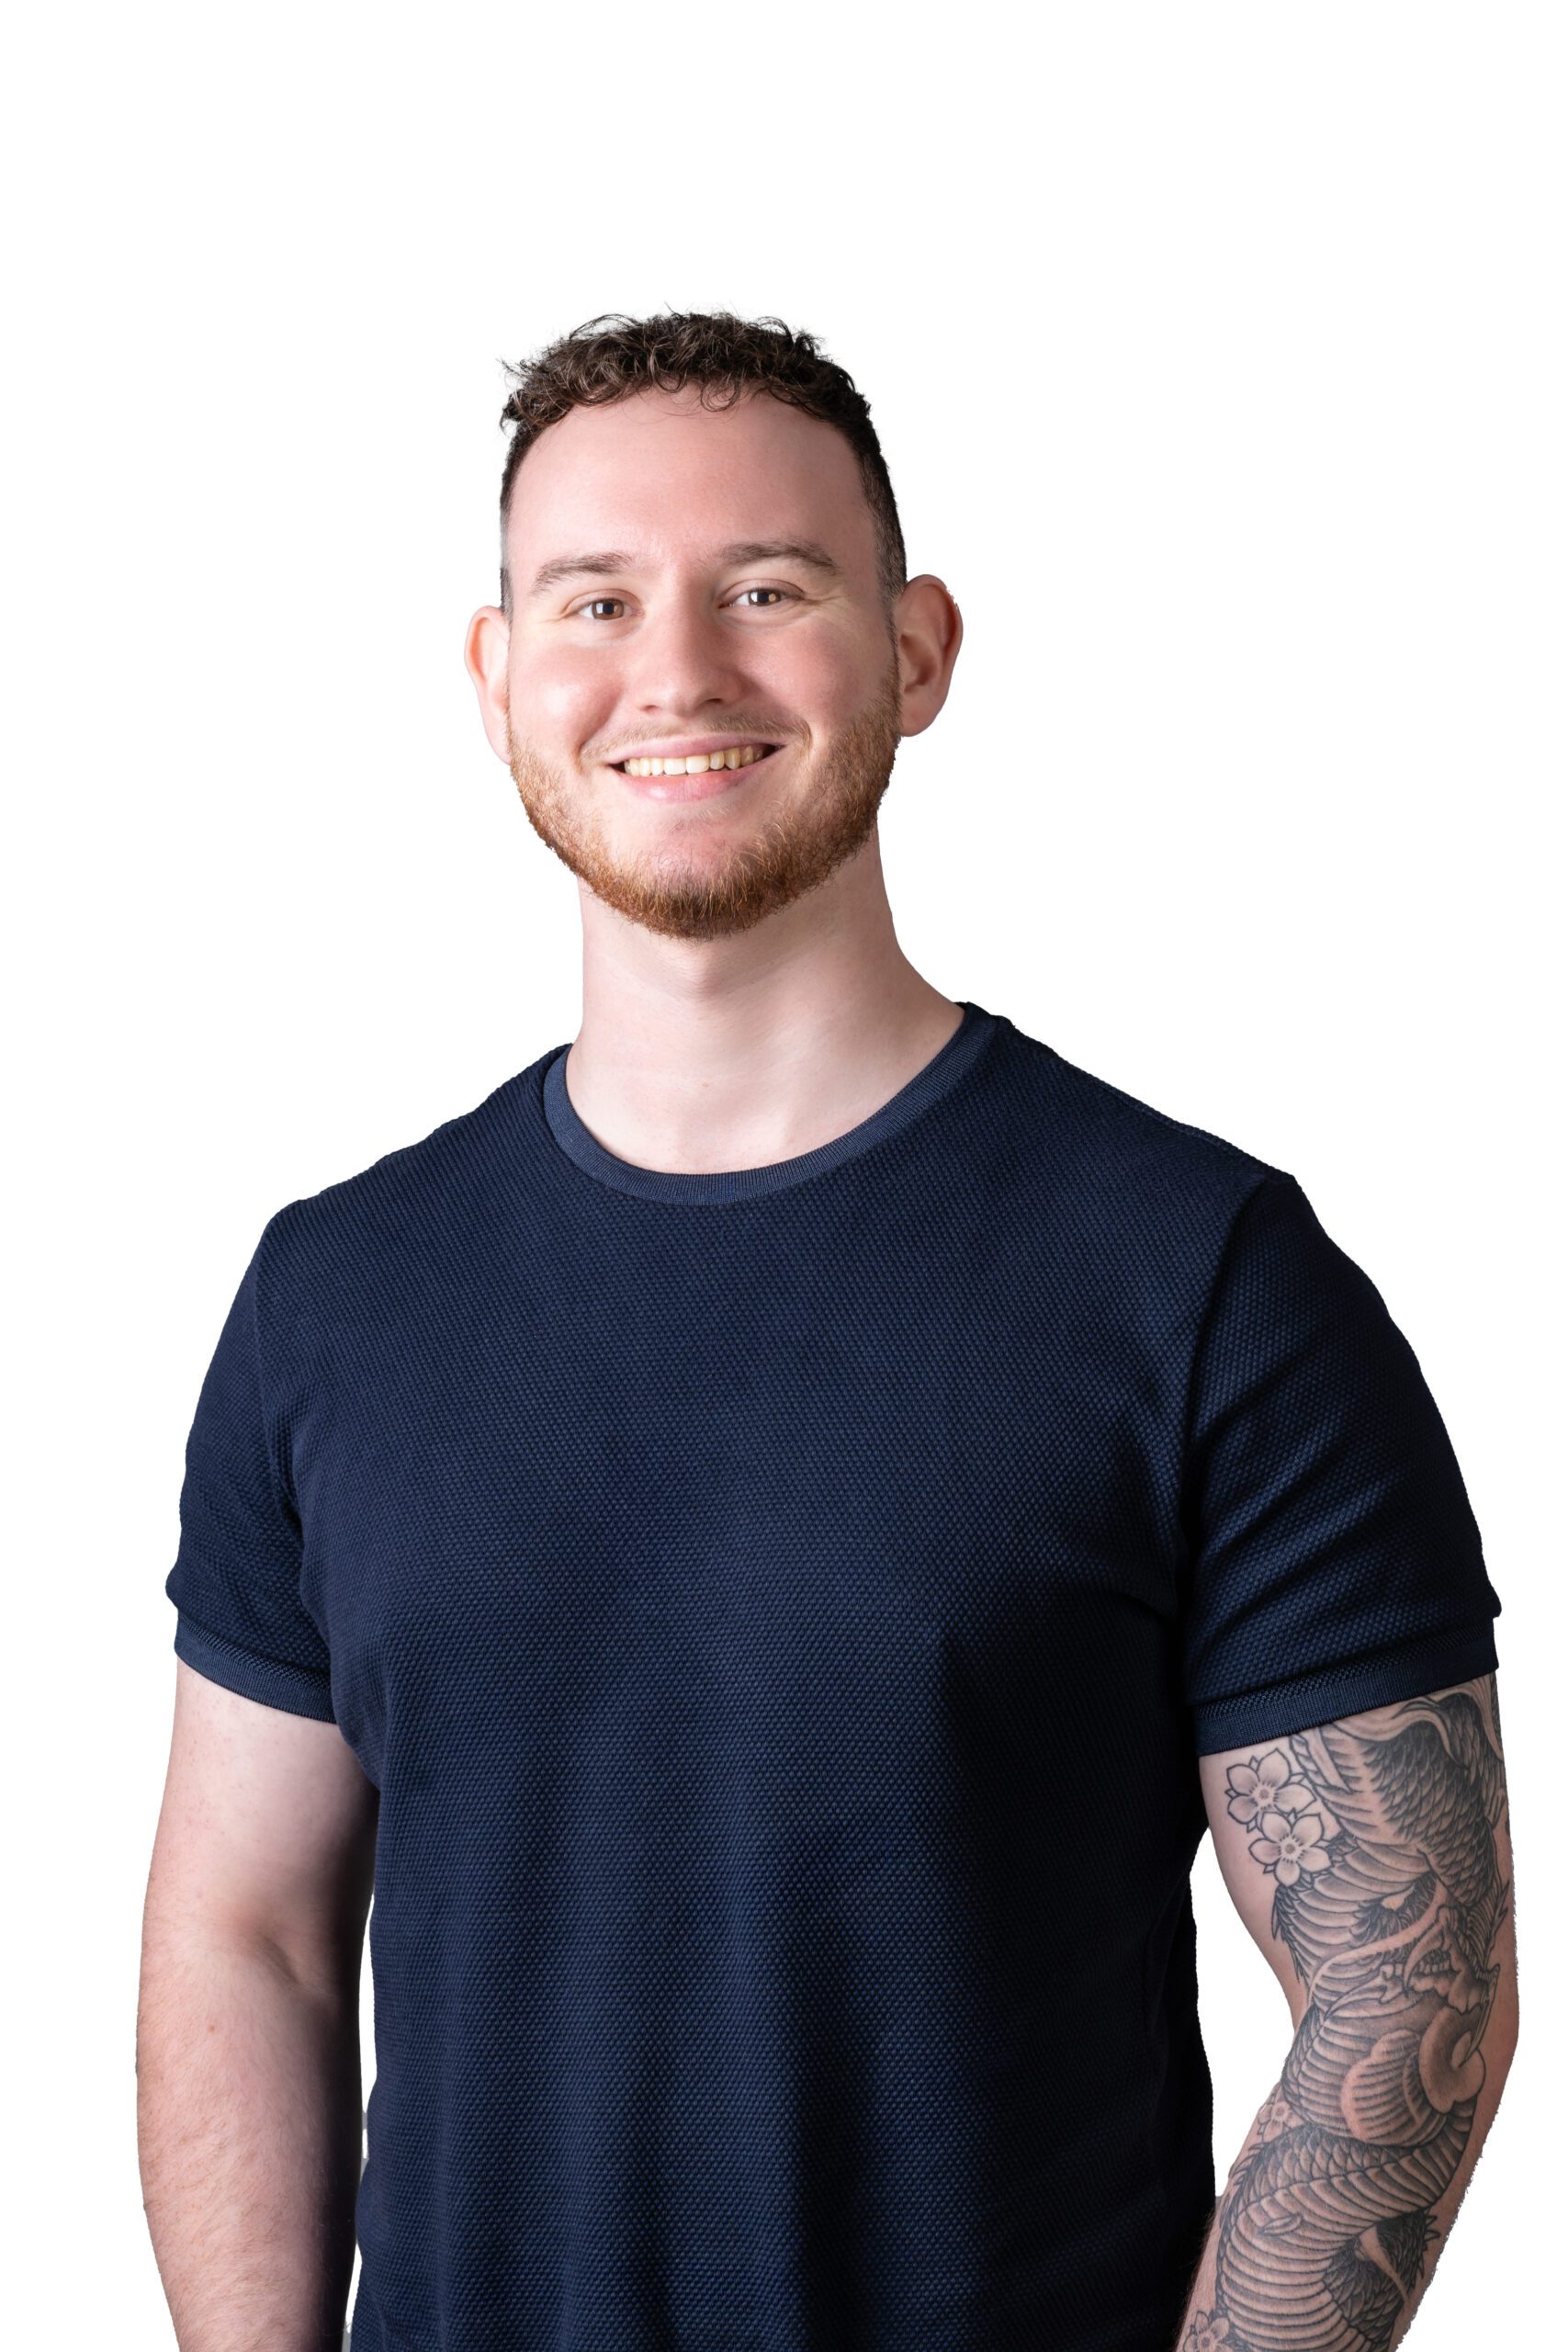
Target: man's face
(689, 580)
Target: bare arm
(1370, 1859)
(247, 2041)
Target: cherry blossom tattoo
(1381, 1834)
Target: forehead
(659, 473)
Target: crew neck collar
(946, 1066)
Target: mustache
(767, 731)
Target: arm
(1370, 1859)
(247, 2041)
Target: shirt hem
(294, 1689)
(1326, 1693)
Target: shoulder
(402, 1202)
(1113, 1146)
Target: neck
(696, 1056)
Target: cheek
(562, 699)
(821, 679)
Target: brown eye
(597, 603)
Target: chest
(761, 1500)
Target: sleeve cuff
(295, 1688)
(1380, 1680)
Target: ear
(485, 651)
(928, 629)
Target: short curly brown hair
(726, 357)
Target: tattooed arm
(1371, 1862)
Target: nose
(684, 658)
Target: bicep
(1371, 1862)
(267, 1832)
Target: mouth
(701, 775)
(733, 757)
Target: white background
(1218, 357)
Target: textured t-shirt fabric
(781, 1612)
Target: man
(768, 1540)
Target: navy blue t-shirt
(781, 1612)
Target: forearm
(248, 2116)
(1371, 1860)
(1285, 2237)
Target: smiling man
(642, 660)
(765, 1544)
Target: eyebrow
(605, 561)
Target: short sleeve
(1333, 1560)
(236, 1578)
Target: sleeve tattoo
(1385, 1836)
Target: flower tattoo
(1288, 1848)
(1264, 1786)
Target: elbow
(1499, 2044)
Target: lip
(705, 787)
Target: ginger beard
(719, 892)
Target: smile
(736, 755)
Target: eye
(599, 608)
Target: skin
(248, 2083)
(744, 995)
(1371, 1861)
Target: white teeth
(737, 756)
